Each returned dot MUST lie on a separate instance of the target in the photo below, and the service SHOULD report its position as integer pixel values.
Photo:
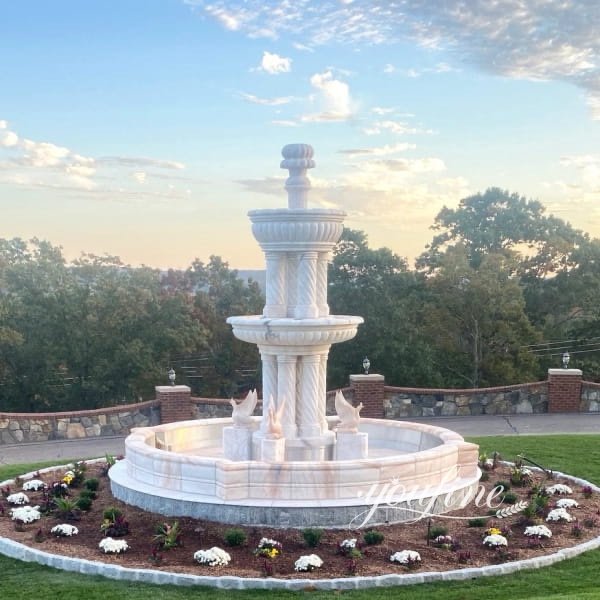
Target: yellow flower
(68, 479)
(494, 531)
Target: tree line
(499, 294)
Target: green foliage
(168, 535)
(97, 332)
(505, 485)
(111, 513)
(477, 522)
(66, 508)
(509, 498)
(373, 537)
(437, 530)
(84, 502)
(234, 537)
(91, 484)
(312, 537)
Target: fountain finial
(297, 159)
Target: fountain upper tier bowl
(178, 469)
(295, 332)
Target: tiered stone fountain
(294, 466)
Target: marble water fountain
(294, 466)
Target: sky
(147, 129)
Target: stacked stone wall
(42, 427)
(526, 398)
(590, 397)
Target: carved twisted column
(306, 307)
(276, 304)
(322, 392)
(309, 424)
(286, 393)
(322, 262)
(269, 381)
(292, 286)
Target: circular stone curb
(19, 551)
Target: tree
(498, 222)
(377, 285)
(476, 319)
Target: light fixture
(172, 376)
(566, 357)
(366, 365)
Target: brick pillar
(175, 403)
(564, 390)
(369, 389)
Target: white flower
(559, 514)
(308, 563)
(18, 498)
(34, 485)
(110, 546)
(64, 530)
(26, 514)
(268, 543)
(349, 543)
(559, 488)
(405, 557)
(495, 540)
(567, 503)
(214, 557)
(538, 531)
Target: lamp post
(366, 365)
(171, 375)
(566, 357)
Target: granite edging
(25, 553)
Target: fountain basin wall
(178, 470)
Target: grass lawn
(576, 578)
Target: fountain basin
(178, 469)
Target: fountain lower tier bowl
(412, 470)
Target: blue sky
(148, 128)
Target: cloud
(8, 139)
(333, 97)
(275, 64)
(536, 40)
(136, 161)
(395, 127)
(47, 165)
(389, 69)
(285, 123)
(278, 101)
(380, 151)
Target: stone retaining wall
(515, 399)
(42, 427)
(590, 397)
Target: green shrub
(436, 531)
(84, 503)
(91, 484)
(505, 485)
(477, 522)
(312, 537)
(111, 513)
(373, 537)
(168, 535)
(510, 498)
(85, 493)
(234, 537)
